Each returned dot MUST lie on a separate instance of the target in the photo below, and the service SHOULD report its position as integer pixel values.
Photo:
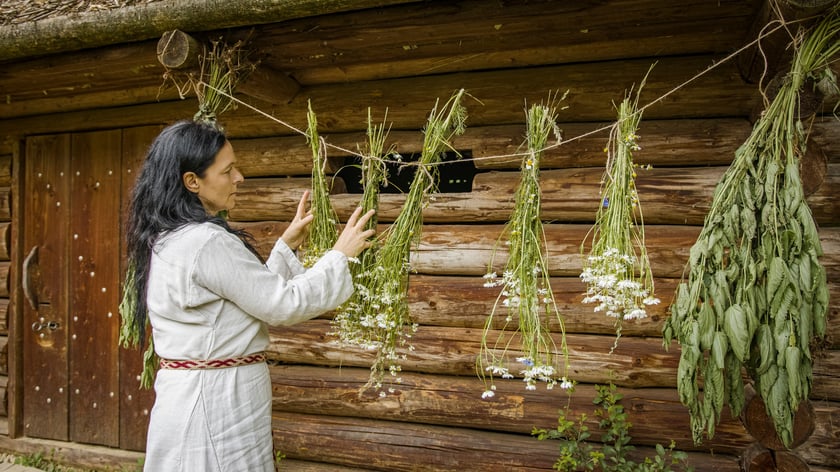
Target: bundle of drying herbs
(617, 272)
(526, 293)
(222, 68)
(355, 321)
(322, 231)
(756, 295)
(385, 314)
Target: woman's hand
(354, 237)
(298, 229)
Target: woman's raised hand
(296, 233)
(354, 238)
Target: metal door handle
(28, 289)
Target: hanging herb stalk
(756, 294)
(617, 272)
(526, 292)
(322, 231)
(386, 312)
(352, 323)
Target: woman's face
(217, 189)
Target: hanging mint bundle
(756, 294)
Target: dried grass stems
(355, 321)
(617, 271)
(526, 298)
(322, 231)
(386, 309)
(756, 296)
(221, 69)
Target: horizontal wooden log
(4, 355)
(178, 50)
(473, 35)
(6, 168)
(826, 368)
(635, 362)
(821, 449)
(313, 466)
(5, 204)
(395, 446)
(667, 195)
(826, 133)
(342, 107)
(149, 20)
(4, 279)
(655, 413)
(665, 143)
(5, 241)
(4, 316)
(469, 249)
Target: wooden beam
(149, 20)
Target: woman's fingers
(301, 209)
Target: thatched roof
(71, 25)
(14, 12)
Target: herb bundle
(617, 272)
(526, 292)
(387, 313)
(756, 294)
(354, 322)
(322, 231)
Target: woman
(210, 300)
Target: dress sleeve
(226, 268)
(283, 260)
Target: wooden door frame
(14, 407)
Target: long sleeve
(225, 268)
(283, 260)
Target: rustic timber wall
(402, 59)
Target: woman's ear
(190, 181)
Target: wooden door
(77, 384)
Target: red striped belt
(212, 363)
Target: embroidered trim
(212, 363)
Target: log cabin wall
(505, 54)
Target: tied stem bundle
(353, 323)
(617, 272)
(756, 295)
(386, 310)
(526, 294)
(322, 231)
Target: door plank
(135, 403)
(93, 324)
(45, 219)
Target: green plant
(576, 453)
(386, 303)
(617, 271)
(278, 457)
(756, 295)
(526, 293)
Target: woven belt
(212, 363)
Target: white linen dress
(210, 298)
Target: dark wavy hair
(161, 203)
